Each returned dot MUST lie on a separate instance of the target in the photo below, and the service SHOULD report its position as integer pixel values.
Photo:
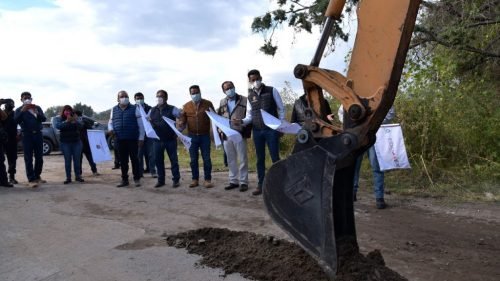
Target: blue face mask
(230, 93)
(196, 97)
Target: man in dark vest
(126, 125)
(268, 99)
(168, 138)
(3, 139)
(10, 147)
(30, 117)
(234, 107)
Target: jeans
(72, 151)
(200, 142)
(146, 153)
(378, 176)
(33, 145)
(159, 148)
(260, 138)
(128, 149)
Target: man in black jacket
(10, 147)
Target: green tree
(85, 109)
(103, 115)
(53, 111)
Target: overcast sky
(69, 51)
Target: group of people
(133, 145)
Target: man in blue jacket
(126, 124)
(30, 117)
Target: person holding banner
(268, 99)
(69, 127)
(168, 138)
(145, 153)
(234, 107)
(194, 117)
(126, 125)
(85, 144)
(378, 175)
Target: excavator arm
(310, 194)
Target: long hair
(66, 107)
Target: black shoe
(257, 191)
(12, 180)
(176, 184)
(79, 180)
(354, 198)
(243, 188)
(67, 181)
(159, 184)
(137, 183)
(115, 168)
(380, 203)
(123, 184)
(6, 184)
(231, 186)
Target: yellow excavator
(310, 194)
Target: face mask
(160, 100)
(123, 101)
(256, 84)
(196, 98)
(141, 102)
(230, 93)
(27, 101)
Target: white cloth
(186, 141)
(150, 132)
(282, 126)
(237, 161)
(390, 148)
(98, 146)
(223, 124)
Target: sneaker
(176, 184)
(380, 203)
(33, 184)
(194, 183)
(208, 184)
(122, 184)
(80, 179)
(159, 184)
(231, 186)
(257, 191)
(243, 187)
(40, 180)
(137, 183)
(96, 174)
(67, 181)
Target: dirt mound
(265, 258)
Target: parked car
(51, 135)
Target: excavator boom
(310, 194)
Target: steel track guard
(309, 194)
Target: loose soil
(268, 259)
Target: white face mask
(256, 84)
(160, 100)
(124, 101)
(141, 102)
(27, 101)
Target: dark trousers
(159, 148)
(146, 155)
(88, 154)
(260, 138)
(3, 172)
(200, 142)
(128, 150)
(116, 151)
(10, 149)
(33, 146)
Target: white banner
(223, 124)
(150, 132)
(281, 126)
(98, 146)
(186, 141)
(390, 148)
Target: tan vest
(196, 117)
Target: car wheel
(111, 143)
(47, 147)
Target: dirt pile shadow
(264, 258)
